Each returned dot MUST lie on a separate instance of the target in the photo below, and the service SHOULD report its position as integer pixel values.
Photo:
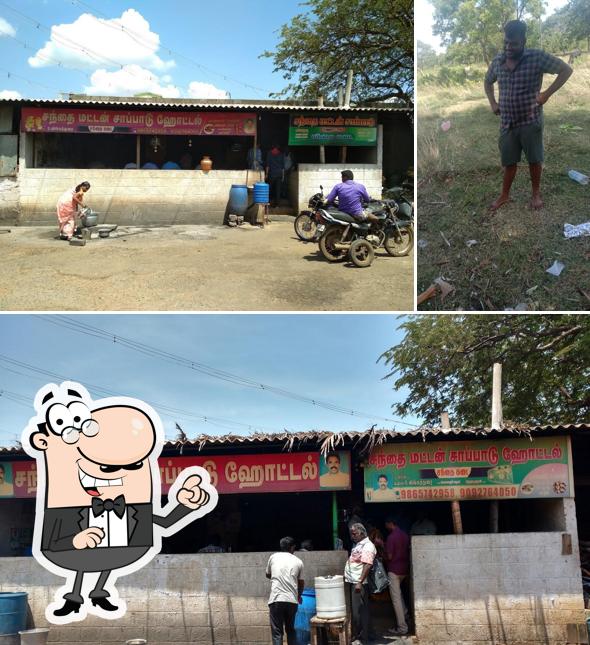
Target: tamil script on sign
(506, 469)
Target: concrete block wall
(208, 598)
(328, 175)
(510, 588)
(131, 197)
(9, 200)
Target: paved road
(187, 268)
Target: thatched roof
(360, 442)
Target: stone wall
(180, 599)
(508, 588)
(131, 197)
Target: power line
(14, 397)
(11, 74)
(49, 60)
(142, 41)
(154, 352)
(166, 410)
(75, 45)
(133, 35)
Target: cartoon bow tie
(118, 505)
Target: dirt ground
(186, 268)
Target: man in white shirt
(285, 572)
(356, 572)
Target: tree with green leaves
(472, 30)
(374, 38)
(427, 56)
(578, 20)
(446, 362)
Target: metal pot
(89, 218)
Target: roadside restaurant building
(148, 160)
(500, 562)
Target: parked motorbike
(341, 234)
(306, 222)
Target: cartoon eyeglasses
(71, 420)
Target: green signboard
(333, 131)
(454, 470)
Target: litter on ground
(576, 230)
(556, 268)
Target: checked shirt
(518, 87)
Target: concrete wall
(508, 588)
(180, 599)
(9, 200)
(310, 176)
(132, 197)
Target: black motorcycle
(341, 234)
(306, 223)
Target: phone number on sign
(458, 493)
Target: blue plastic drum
(13, 612)
(261, 193)
(305, 612)
(238, 199)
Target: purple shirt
(350, 195)
(397, 546)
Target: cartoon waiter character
(98, 512)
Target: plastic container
(261, 193)
(330, 598)
(305, 612)
(238, 199)
(34, 636)
(579, 177)
(13, 612)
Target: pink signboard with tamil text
(137, 122)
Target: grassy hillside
(459, 175)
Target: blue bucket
(305, 612)
(238, 199)
(261, 193)
(13, 612)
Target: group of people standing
(285, 570)
(394, 552)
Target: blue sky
(328, 357)
(148, 46)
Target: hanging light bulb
(190, 143)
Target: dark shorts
(527, 138)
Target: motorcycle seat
(343, 217)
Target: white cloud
(130, 80)
(198, 90)
(6, 29)
(86, 41)
(10, 94)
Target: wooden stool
(340, 624)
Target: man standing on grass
(519, 73)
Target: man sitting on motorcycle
(351, 195)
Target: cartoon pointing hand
(191, 494)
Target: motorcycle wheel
(399, 243)
(327, 241)
(362, 253)
(305, 227)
